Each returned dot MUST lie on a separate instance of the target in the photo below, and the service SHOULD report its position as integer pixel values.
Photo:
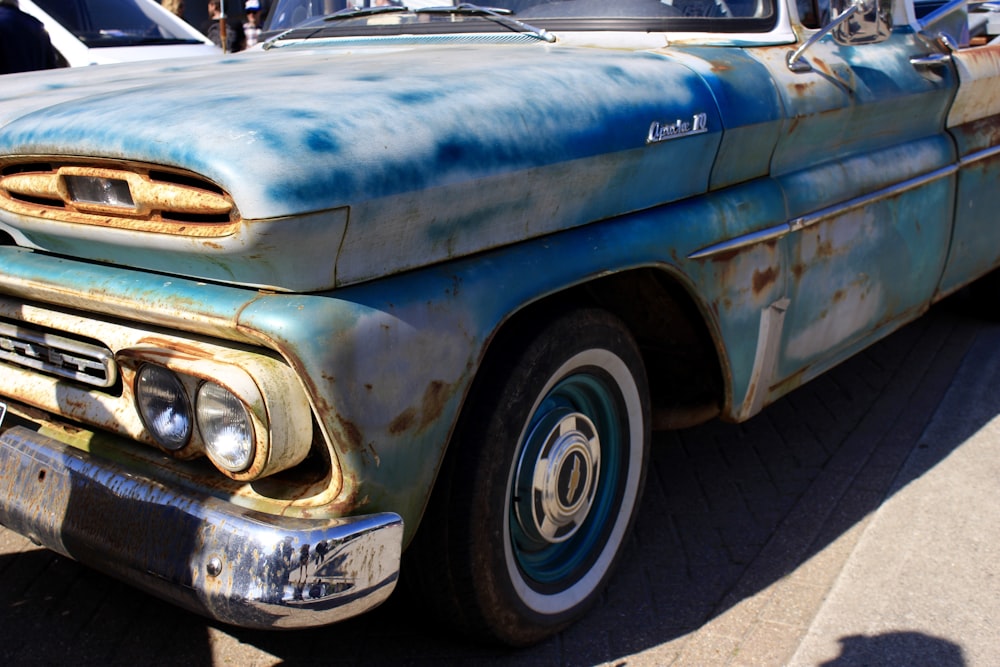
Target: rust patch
(981, 133)
(988, 57)
(725, 255)
(803, 88)
(173, 347)
(822, 66)
(352, 440)
(403, 421)
(432, 406)
(839, 295)
(825, 249)
(763, 279)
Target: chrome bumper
(239, 566)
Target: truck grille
(63, 357)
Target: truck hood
(350, 164)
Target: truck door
(867, 170)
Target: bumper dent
(230, 563)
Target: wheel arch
(680, 346)
(679, 342)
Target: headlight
(163, 406)
(253, 418)
(225, 427)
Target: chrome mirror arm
(795, 61)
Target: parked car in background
(98, 32)
(427, 278)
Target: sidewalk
(923, 585)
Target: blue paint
(320, 141)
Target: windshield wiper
(497, 14)
(501, 16)
(346, 13)
(355, 12)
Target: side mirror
(870, 22)
(855, 22)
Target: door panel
(865, 165)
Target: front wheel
(541, 486)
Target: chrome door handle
(930, 61)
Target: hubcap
(557, 477)
(573, 481)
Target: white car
(97, 32)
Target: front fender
(390, 362)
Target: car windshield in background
(330, 17)
(99, 23)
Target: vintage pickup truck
(426, 277)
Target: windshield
(99, 23)
(439, 15)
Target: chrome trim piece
(89, 364)
(794, 59)
(931, 61)
(985, 154)
(753, 238)
(772, 322)
(805, 221)
(228, 562)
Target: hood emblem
(698, 124)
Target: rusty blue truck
(402, 293)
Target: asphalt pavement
(854, 522)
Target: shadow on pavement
(717, 524)
(897, 648)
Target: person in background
(175, 7)
(252, 27)
(24, 44)
(235, 40)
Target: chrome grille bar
(63, 357)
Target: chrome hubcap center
(557, 476)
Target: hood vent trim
(161, 201)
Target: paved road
(819, 532)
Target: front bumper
(227, 562)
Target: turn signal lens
(163, 406)
(226, 428)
